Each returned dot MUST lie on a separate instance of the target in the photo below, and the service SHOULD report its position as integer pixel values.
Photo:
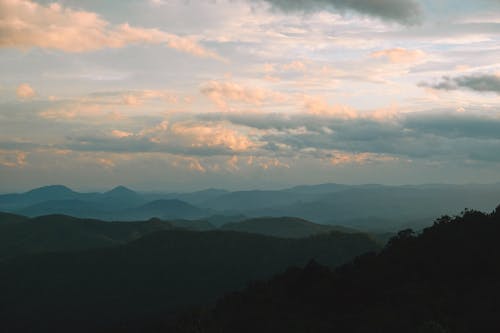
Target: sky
(179, 95)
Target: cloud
(447, 136)
(399, 55)
(478, 82)
(136, 98)
(27, 24)
(294, 66)
(319, 106)
(221, 93)
(403, 11)
(340, 158)
(211, 135)
(25, 91)
(13, 159)
(121, 134)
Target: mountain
(198, 197)
(7, 218)
(285, 227)
(391, 206)
(120, 192)
(64, 233)
(195, 225)
(244, 201)
(53, 192)
(46, 193)
(445, 279)
(65, 207)
(370, 207)
(113, 289)
(167, 209)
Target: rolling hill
(115, 288)
(284, 227)
(445, 279)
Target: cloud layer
(26, 24)
(479, 83)
(403, 11)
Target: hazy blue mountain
(244, 201)
(46, 193)
(318, 189)
(66, 207)
(198, 197)
(167, 209)
(53, 192)
(286, 227)
(368, 207)
(393, 206)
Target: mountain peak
(120, 190)
(51, 189)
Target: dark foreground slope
(146, 280)
(446, 279)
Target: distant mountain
(65, 207)
(371, 207)
(113, 289)
(286, 227)
(391, 206)
(443, 280)
(247, 201)
(53, 192)
(120, 192)
(198, 197)
(46, 193)
(167, 209)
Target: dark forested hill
(446, 279)
(20, 235)
(286, 227)
(149, 278)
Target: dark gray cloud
(479, 83)
(403, 11)
(433, 136)
(439, 135)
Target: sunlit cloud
(399, 55)
(211, 135)
(25, 91)
(222, 92)
(13, 158)
(27, 24)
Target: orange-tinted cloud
(212, 135)
(26, 24)
(399, 55)
(341, 157)
(13, 159)
(318, 106)
(222, 92)
(25, 91)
